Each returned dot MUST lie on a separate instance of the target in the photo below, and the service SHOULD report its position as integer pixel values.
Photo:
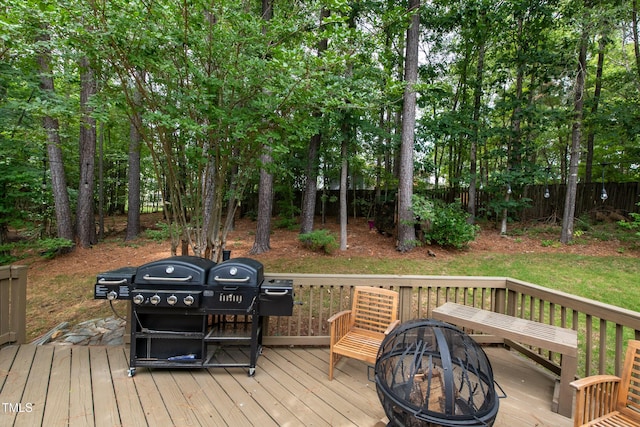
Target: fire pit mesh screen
(429, 373)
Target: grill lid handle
(231, 279)
(168, 279)
(111, 282)
(276, 292)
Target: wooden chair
(608, 400)
(358, 333)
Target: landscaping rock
(109, 331)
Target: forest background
(107, 106)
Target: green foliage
(632, 225)
(319, 240)
(6, 257)
(287, 223)
(49, 248)
(163, 232)
(423, 209)
(549, 243)
(444, 224)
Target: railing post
(404, 307)
(13, 304)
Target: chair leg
(332, 357)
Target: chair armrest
(592, 380)
(596, 396)
(392, 327)
(337, 315)
(339, 325)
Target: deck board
(105, 406)
(150, 399)
(7, 357)
(57, 409)
(36, 388)
(16, 382)
(290, 388)
(129, 407)
(228, 412)
(331, 393)
(284, 398)
(80, 393)
(300, 384)
(355, 386)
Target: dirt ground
(61, 289)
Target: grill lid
(178, 270)
(120, 276)
(237, 272)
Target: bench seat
(554, 338)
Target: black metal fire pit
(429, 373)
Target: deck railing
(603, 329)
(13, 304)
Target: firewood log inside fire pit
(428, 385)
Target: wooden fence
(13, 304)
(622, 197)
(603, 329)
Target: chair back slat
(630, 381)
(374, 308)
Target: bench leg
(565, 396)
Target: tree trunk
(406, 230)
(64, 223)
(265, 207)
(101, 182)
(576, 133)
(515, 143)
(475, 140)
(594, 109)
(85, 215)
(343, 187)
(636, 46)
(133, 211)
(262, 242)
(311, 184)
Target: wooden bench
(560, 340)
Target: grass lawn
(610, 279)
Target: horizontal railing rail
(603, 329)
(13, 304)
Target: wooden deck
(88, 386)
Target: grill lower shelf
(161, 340)
(227, 356)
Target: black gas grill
(189, 312)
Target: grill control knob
(171, 300)
(155, 300)
(188, 300)
(112, 295)
(138, 299)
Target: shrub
(318, 240)
(162, 233)
(55, 246)
(632, 225)
(447, 224)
